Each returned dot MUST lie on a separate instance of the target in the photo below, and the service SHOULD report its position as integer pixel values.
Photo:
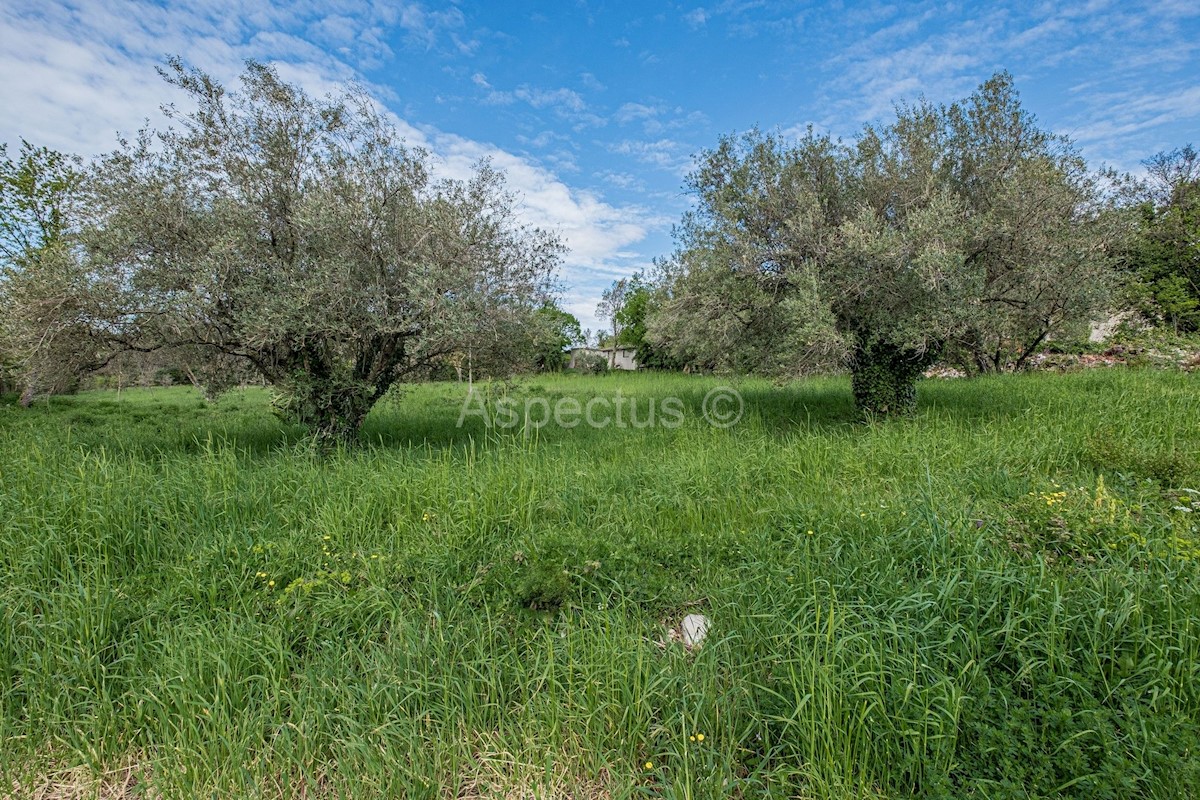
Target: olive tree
(303, 237)
(962, 226)
(45, 340)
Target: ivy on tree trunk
(884, 377)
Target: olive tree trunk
(332, 413)
(884, 377)
(337, 423)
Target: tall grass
(997, 598)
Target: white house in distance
(617, 357)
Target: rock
(1104, 328)
(693, 629)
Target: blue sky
(595, 109)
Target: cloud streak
(921, 54)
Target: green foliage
(610, 306)
(1165, 260)
(631, 316)
(591, 364)
(192, 590)
(640, 303)
(962, 226)
(43, 346)
(36, 194)
(558, 331)
(883, 377)
(302, 237)
(544, 588)
(1167, 466)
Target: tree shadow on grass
(999, 397)
(158, 423)
(154, 423)
(802, 406)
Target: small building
(617, 357)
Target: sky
(596, 110)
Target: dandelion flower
(270, 583)
(699, 737)
(649, 765)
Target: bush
(592, 364)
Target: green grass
(997, 598)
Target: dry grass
(492, 772)
(130, 780)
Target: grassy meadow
(999, 598)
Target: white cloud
(541, 98)
(591, 82)
(1114, 122)
(426, 26)
(565, 102)
(543, 139)
(621, 180)
(631, 112)
(655, 117)
(666, 154)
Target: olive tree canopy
(961, 226)
(45, 340)
(302, 236)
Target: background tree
(609, 307)
(962, 225)
(45, 343)
(556, 332)
(303, 237)
(1165, 260)
(639, 304)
